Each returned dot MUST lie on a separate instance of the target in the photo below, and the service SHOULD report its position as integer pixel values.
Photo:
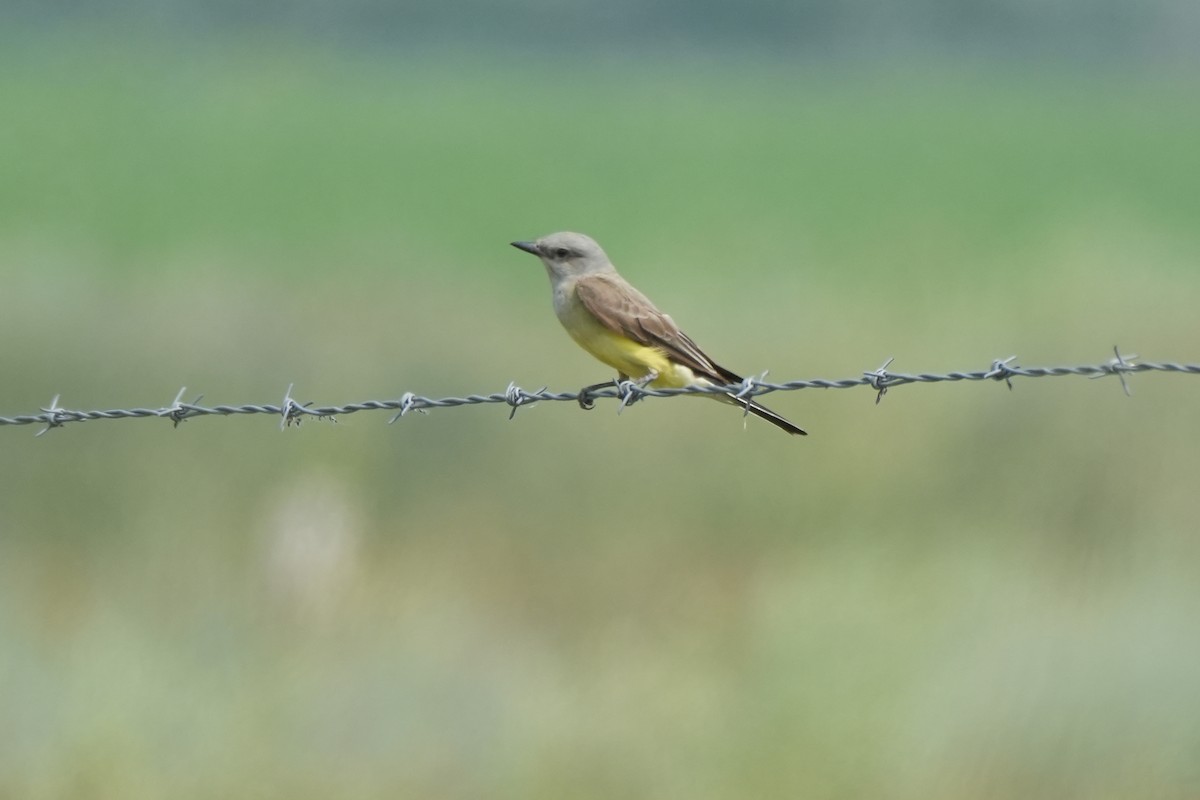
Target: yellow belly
(622, 353)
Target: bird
(618, 325)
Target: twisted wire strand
(880, 380)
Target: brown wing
(620, 307)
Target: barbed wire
(626, 391)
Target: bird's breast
(614, 348)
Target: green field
(960, 592)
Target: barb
(747, 391)
(879, 380)
(177, 412)
(516, 397)
(1001, 371)
(52, 418)
(1119, 366)
(407, 403)
(627, 392)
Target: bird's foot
(647, 379)
(585, 394)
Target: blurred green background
(960, 592)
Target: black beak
(528, 247)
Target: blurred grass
(960, 592)
(135, 151)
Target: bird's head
(566, 254)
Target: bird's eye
(561, 252)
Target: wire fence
(880, 380)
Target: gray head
(568, 254)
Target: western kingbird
(619, 325)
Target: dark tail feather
(762, 412)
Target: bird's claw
(586, 401)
